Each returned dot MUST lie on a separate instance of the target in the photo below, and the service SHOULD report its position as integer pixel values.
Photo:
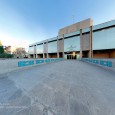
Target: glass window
(39, 48)
(72, 44)
(31, 50)
(71, 34)
(52, 47)
(104, 39)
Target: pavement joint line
(36, 102)
(70, 83)
(75, 86)
(27, 94)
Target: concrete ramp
(63, 88)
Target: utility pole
(73, 10)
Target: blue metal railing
(25, 63)
(38, 61)
(98, 61)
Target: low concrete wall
(106, 63)
(8, 65)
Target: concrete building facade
(79, 40)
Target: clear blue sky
(28, 21)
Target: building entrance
(71, 57)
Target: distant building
(81, 39)
(8, 49)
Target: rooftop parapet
(75, 27)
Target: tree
(5, 55)
(20, 52)
(1, 50)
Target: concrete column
(80, 43)
(29, 56)
(34, 56)
(43, 51)
(47, 49)
(35, 53)
(57, 48)
(63, 46)
(91, 51)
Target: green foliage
(1, 50)
(5, 55)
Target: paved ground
(61, 88)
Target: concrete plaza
(67, 87)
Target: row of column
(90, 51)
(35, 52)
